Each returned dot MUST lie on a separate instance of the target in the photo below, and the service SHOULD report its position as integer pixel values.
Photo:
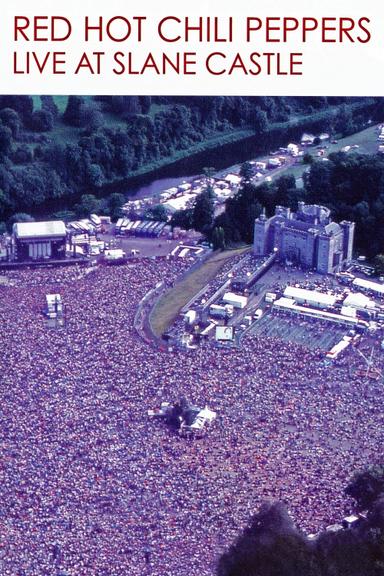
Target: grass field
(60, 101)
(366, 140)
(171, 303)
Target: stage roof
(34, 230)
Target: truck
(235, 300)
(258, 314)
(218, 311)
(190, 317)
(270, 297)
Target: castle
(307, 237)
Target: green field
(60, 101)
(366, 140)
(168, 307)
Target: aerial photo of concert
(192, 342)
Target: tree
(260, 121)
(345, 552)
(379, 264)
(91, 118)
(4, 203)
(89, 205)
(93, 175)
(72, 114)
(42, 121)
(283, 184)
(22, 155)
(19, 217)
(48, 103)
(203, 212)
(157, 212)
(114, 204)
(182, 219)
(218, 238)
(5, 141)
(247, 171)
(145, 103)
(66, 215)
(208, 171)
(269, 546)
(23, 105)
(366, 487)
(344, 123)
(11, 119)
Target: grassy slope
(366, 140)
(171, 303)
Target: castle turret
(348, 237)
(260, 238)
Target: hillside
(53, 150)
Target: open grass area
(171, 303)
(366, 140)
(60, 101)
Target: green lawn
(60, 101)
(366, 140)
(168, 307)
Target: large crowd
(89, 486)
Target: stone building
(307, 237)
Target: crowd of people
(90, 486)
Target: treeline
(48, 156)
(351, 185)
(272, 545)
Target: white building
(293, 149)
(358, 301)
(310, 297)
(235, 300)
(369, 285)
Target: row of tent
(148, 228)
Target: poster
(191, 288)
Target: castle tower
(260, 237)
(348, 237)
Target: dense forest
(54, 150)
(272, 545)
